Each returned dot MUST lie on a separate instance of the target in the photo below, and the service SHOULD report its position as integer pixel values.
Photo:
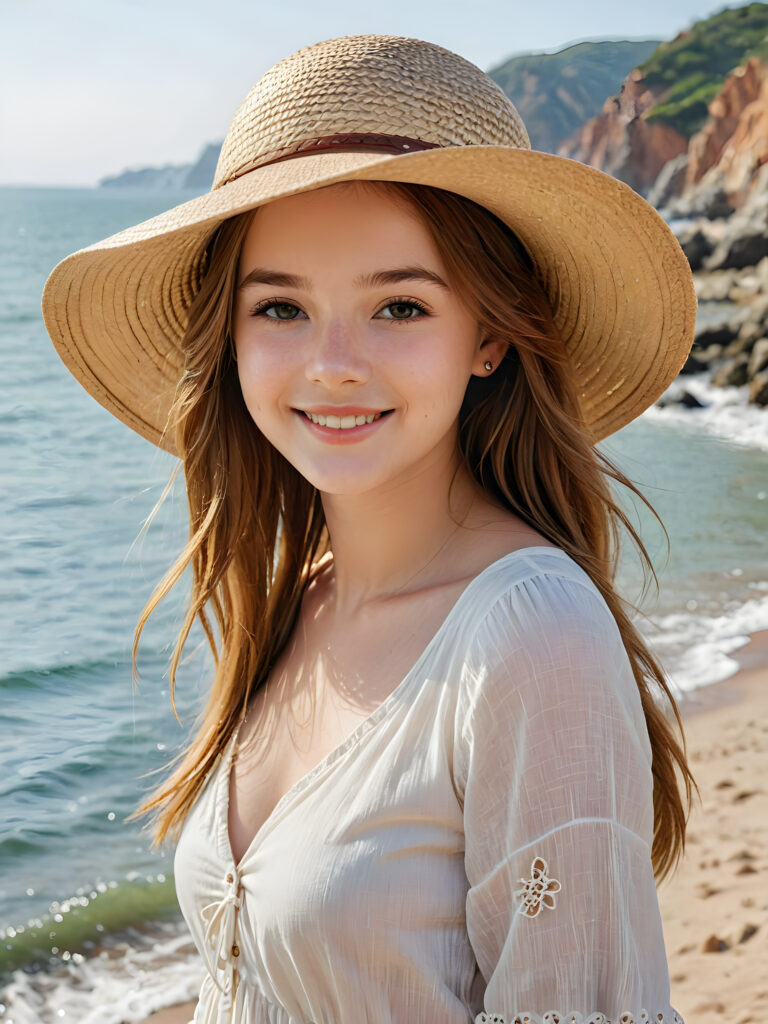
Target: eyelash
(261, 307)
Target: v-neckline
(224, 780)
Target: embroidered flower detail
(538, 890)
(555, 1017)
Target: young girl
(435, 778)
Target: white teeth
(344, 422)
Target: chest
(326, 682)
(360, 867)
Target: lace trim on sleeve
(555, 1017)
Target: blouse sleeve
(553, 764)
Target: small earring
(488, 364)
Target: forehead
(344, 220)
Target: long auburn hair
(257, 527)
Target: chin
(350, 485)
(348, 480)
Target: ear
(490, 350)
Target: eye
(283, 309)
(402, 309)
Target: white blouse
(478, 849)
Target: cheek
(450, 372)
(430, 368)
(262, 375)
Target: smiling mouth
(344, 422)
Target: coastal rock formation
(556, 93)
(201, 173)
(710, 175)
(670, 182)
(744, 241)
(170, 176)
(735, 136)
(726, 155)
(697, 244)
(668, 99)
(725, 186)
(621, 142)
(176, 177)
(734, 351)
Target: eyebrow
(260, 275)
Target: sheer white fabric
(476, 850)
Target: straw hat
(394, 109)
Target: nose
(337, 355)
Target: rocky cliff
(556, 93)
(621, 142)
(725, 232)
(733, 144)
(668, 100)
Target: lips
(344, 435)
(343, 421)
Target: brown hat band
(347, 143)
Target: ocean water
(90, 929)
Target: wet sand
(715, 906)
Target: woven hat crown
(388, 85)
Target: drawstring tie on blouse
(221, 918)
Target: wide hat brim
(618, 283)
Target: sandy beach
(715, 906)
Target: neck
(400, 537)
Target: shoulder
(544, 655)
(544, 634)
(542, 594)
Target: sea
(90, 928)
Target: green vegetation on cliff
(688, 72)
(556, 93)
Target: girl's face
(343, 309)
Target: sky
(89, 88)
